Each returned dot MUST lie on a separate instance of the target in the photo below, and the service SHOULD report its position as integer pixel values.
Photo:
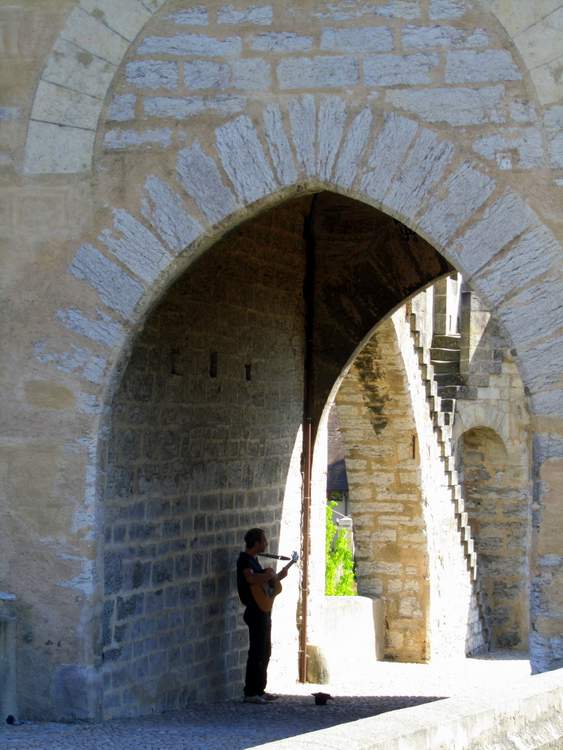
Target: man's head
(255, 540)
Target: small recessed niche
(248, 372)
(213, 364)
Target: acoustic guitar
(265, 593)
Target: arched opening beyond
(203, 438)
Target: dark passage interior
(203, 428)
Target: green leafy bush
(340, 578)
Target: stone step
(444, 355)
(444, 367)
(446, 342)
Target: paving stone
(116, 288)
(103, 329)
(389, 149)
(152, 74)
(167, 213)
(91, 35)
(332, 118)
(281, 41)
(317, 72)
(302, 117)
(197, 16)
(440, 35)
(364, 39)
(122, 108)
(124, 139)
(244, 159)
(457, 106)
(76, 69)
(420, 172)
(200, 177)
(59, 105)
(502, 222)
(252, 74)
(391, 70)
(278, 145)
(136, 247)
(184, 107)
(469, 66)
(353, 149)
(257, 15)
(466, 190)
(190, 44)
(127, 17)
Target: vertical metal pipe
(308, 433)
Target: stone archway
(150, 207)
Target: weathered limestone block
(364, 39)
(184, 107)
(57, 148)
(392, 70)
(167, 213)
(125, 139)
(191, 44)
(257, 15)
(251, 75)
(281, 41)
(317, 72)
(533, 254)
(244, 159)
(93, 36)
(135, 246)
(127, 17)
(421, 170)
(389, 149)
(62, 106)
(502, 222)
(457, 106)
(303, 120)
(122, 108)
(440, 9)
(278, 145)
(466, 190)
(196, 16)
(116, 288)
(76, 69)
(200, 177)
(525, 144)
(421, 37)
(353, 149)
(470, 66)
(152, 74)
(345, 11)
(332, 117)
(103, 329)
(77, 359)
(535, 309)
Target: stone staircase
(439, 370)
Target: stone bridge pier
(170, 172)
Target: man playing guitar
(251, 575)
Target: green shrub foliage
(340, 578)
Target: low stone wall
(528, 714)
(352, 635)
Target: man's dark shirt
(246, 561)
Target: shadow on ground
(236, 726)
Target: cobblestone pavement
(382, 687)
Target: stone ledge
(528, 713)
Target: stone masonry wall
(202, 433)
(383, 465)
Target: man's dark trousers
(260, 647)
